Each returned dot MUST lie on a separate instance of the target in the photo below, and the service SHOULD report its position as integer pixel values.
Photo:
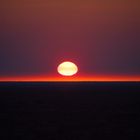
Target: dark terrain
(69, 111)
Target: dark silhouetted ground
(70, 111)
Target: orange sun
(67, 68)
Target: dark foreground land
(70, 111)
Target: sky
(100, 37)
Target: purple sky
(101, 37)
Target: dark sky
(101, 37)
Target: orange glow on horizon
(71, 79)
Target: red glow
(70, 79)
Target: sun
(67, 68)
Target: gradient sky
(100, 36)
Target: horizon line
(114, 78)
